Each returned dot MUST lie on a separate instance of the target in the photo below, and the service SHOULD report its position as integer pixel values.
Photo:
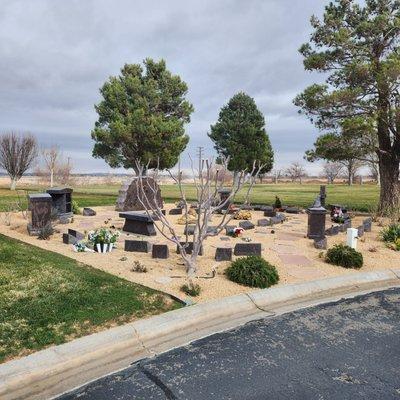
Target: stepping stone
(246, 225)
(295, 259)
(284, 249)
(223, 254)
(163, 280)
(264, 222)
(160, 251)
(290, 236)
(139, 246)
(88, 212)
(321, 244)
(247, 249)
(189, 248)
(175, 211)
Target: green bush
(391, 233)
(278, 203)
(191, 289)
(253, 271)
(75, 207)
(344, 256)
(46, 231)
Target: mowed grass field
(357, 197)
(46, 299)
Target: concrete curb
(50, 372)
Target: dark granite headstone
(139, 223)
(367, 223)
(223, 198)
(78, 235)
(293, 210)
(264, 222)
(176, 211)
(88, 212)
(223, 254)
(189, 248)
(136, 194)
(316, 220)
(360, 231)
(40, 206)
(160, 251)
(321, 243)
(269, 211)
(69, 239)
(139, 246)
(246, 225)
(62, 201)
(247, 249)
(333, 230)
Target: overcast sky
(56, 54)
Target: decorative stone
(223, 254)
(264, 222)
(176, 211)
(139, 246)
(316, 220)
(321, 244)
(189, 248)
(247, 249)
(246, 225)
(132, 196)
(367, 223)
(269, 211)
(139, 223)
(88, 212)
(360, 230)
(293, 210)
(160, 251)
(40, 206)
(61, 201)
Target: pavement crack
(151, 353)
(269, 312)
(159, 383)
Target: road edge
(58, 369)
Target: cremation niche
(61, 201)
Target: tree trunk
(389, 199)
(52, 178)
(13, 183)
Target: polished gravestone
(138, 246)
(139, 223)
(62, 201)
(40, 206)
(188, 248)
(269, 211)
(160, 251)
(223, 254)
(72, 236)
(246, 225)
(247, 249)
(316, 220)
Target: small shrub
(191, 289)
(344, 256)
(253, 271)
(46, 231)
(139, 267)
(75, 207)
(391, 233)
(278, 203)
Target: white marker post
(352, 236)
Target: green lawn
(46, 299)
(361, 198)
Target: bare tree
(50, 157)
(296, 172)
(17, 154)
(331, 170)
(276, 174)
(208, 204)
(351, 167)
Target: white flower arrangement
(103, 236)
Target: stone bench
(139, 223)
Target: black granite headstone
(246, 225)
(360, 231)
(188, 248)
(62, 201)
(247, 249)
(139, 223)
(40, 206)
(160, 251)
(139, 246)
(223, 254)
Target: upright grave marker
(40, 207)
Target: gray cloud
(54, 56)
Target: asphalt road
(344, 350)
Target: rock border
(53, 371)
